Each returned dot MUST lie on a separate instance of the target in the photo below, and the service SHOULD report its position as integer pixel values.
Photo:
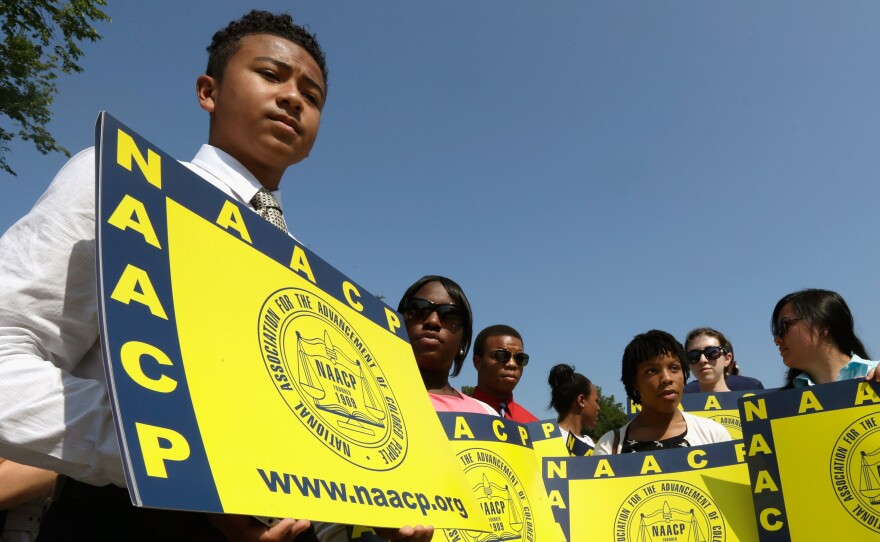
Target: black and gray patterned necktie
(267, 207)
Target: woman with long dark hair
(815, 333)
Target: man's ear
(206, 90)
(477, 362)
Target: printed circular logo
(670, 511)
(328, 377)
(855, 470)
(731, 422)
(500, 495)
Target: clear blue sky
(585, 170)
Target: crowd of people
(264, 90)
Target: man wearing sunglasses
(499, 360)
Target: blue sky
(585, 170)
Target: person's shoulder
(606, 442)
(485, 406)
(739, 382)
(713, 430)
(692, 387)
(524, 415)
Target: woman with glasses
(814, 332)
(710, 356)
(653, 373)
(439, 324)
(576, 401)
(708, 359)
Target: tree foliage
(611, 415)
(468, 390)
(40, 38)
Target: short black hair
(493, 331)
(646, 346)
(457, 294)
(226, 42)
(565, 387)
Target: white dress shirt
(54, 408)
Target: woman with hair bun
(576, 401)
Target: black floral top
(633, 446)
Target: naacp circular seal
(855, 470)
(669, 510)
(731, 422)
(500, 495)
(328, 377)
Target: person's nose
(290, 99)
(433, 320)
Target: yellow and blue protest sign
(548, 440)
(688, 494)
(504, 473)
(497, 457)
(814, 461)
(246, 374)
(721, 407)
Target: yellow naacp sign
(504, 474)
(249, 376)
(503, 471)
(688, 494)
(547, 440)
(814, 462)
(720, 407)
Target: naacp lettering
(501, 493)
(851, 453)
(158, 430)
(327, 375)
(665, 508)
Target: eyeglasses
(782, 326)
(418, 310)
(712, 353)
(501, 356)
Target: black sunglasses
(418, 310)
(781, 327)
(712, 353)
(501, 356)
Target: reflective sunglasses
(712, 353)
(501, 356)
(781, 327)
(418, 310)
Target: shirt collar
(491, 400)
(854, 369)
(241, 183)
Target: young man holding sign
(264, 88)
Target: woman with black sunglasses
(439, 323)
(711, 359)
(708, 359)
(814, 332)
